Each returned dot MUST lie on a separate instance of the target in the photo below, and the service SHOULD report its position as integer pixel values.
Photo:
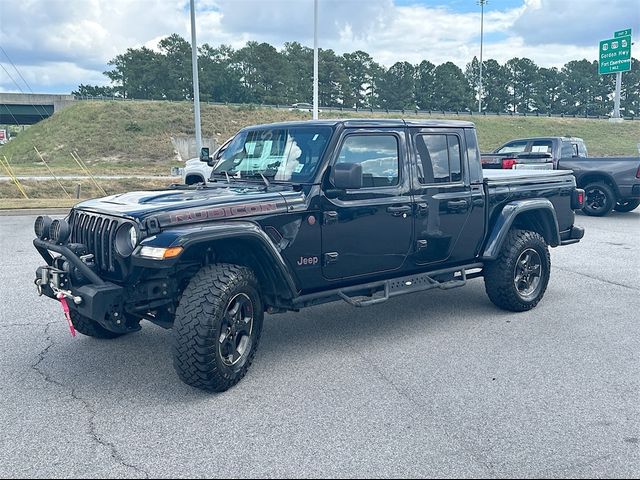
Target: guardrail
(416, 112)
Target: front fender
(191, 236)
(510, 212)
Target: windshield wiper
(267, 184)
(223, 172)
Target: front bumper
(94, 298)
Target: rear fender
(538, 214)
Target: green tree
(495, 95)
(219, 80)
(397, 87)
(584, 91)
(137, 73)
(176, 83)
(263, 71)
(548, 91)
(522, 76)
(299, 83)
(425, 85)
(472, 73)
(332, 79)
(451, 89)
(359, 69)
(94, 91)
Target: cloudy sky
(58, 44)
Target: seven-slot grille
(98, 234)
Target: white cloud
(67, 42)
(576, 22)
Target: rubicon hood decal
(180, 217)
(175, 207)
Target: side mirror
(347, 176)
(204, 154)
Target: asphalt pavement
(440, 383)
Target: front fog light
(41, 227)
(59, 231)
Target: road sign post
(615, 57)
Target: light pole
(315, 59)
(482, 3)
(196, 87)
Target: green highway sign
(615, 55)
(623, 33)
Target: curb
(16, 212)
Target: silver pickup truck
(610, 183)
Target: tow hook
(67, 315)
(67, 294)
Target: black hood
(186, 205)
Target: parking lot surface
(431, 384)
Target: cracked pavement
(432, 384)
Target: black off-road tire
(91, 328)
(625, 206)
(599, 199)
(500, 275)
(201, 319)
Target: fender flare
(591, 176)
(190, 236)
(507, 216)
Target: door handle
(399, 211)
(330, 217)
(457, 204)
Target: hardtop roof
(369, 123)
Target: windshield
(281, 154)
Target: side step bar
(390, 288)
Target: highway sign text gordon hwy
(615, 55)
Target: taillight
(508, 163)
(577, 199)
(638, 172)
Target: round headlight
(59, 231)
(41, 227)
(133, 236)
(126, 240)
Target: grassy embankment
(127, 138)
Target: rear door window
(439, 158)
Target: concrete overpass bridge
(30, 108)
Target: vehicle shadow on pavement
(140, 364)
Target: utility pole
(196, 87)
(482, 3)
(315, 59)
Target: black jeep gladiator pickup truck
(299, 214)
